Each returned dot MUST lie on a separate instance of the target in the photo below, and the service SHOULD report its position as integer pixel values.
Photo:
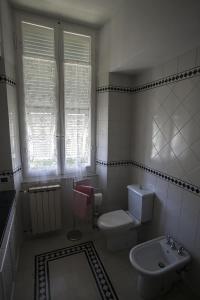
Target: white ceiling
(91, 12)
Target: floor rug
(72, 273)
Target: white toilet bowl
(120, 226)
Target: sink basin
(155, 257)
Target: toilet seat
(116, 219)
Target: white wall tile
(102, 107)
(188, 160)
(194, 176)
(171, 103)
(191, 102)
(157, 162)
(180, 117)
(159, 141)
(102, 153)
(173, 211)
(169, 129)
(182, 89)
(161, 116)
(173, 124)
(190, 131)
(149, 181)
(178, 144)
(189, 220)
(136, 175)
(158, 223)
(196, 148)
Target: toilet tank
(140, 202)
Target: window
(77, 79)
(39, 98)
(57, 129)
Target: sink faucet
(168, 238)
(171, 242)
(180, 251)
(173, 245)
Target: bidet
(157, 261)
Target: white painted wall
(143, 34)
(103, 59)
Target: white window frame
(59, 27)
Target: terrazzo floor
(73, 278)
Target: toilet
(120, 226)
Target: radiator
(45, 208)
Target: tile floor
(117, 265)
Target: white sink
(156, 257)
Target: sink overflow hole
(161, 264)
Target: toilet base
(121, 240)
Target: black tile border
(111, 88)
(153, 84)
(42, 280)
(10, 172)
(114, 163)
(174, 180)
(19, 169)
(5, 79)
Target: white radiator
(45, 208)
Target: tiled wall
(166, 137)
(113, 143)
(102, 126)
(118, 148)
(157, 145)
(10, 162)
(169, 136)
(102, 140)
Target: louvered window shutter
(39, 71)
(77, 100)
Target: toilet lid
(115, 219)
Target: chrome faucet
(173, 245)
(171, 241)
(180, 251)
(168, 238)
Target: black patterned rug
(74, 272)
